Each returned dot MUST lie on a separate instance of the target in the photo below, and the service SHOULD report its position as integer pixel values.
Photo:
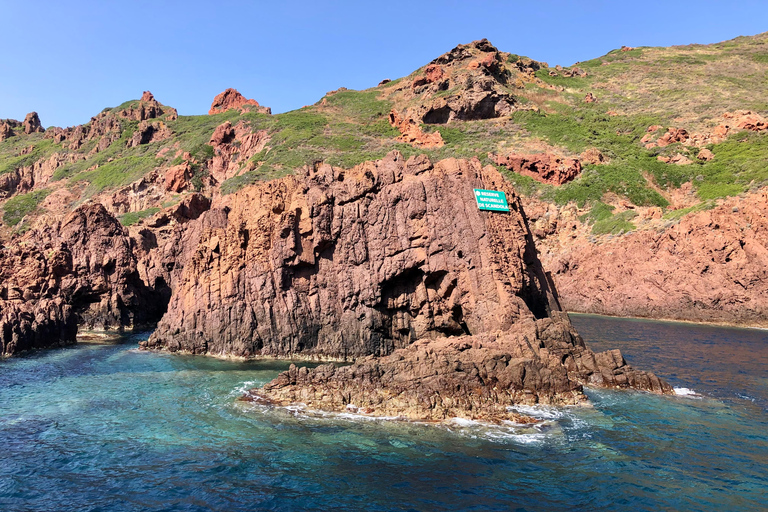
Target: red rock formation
(432, 73)
(233, 145)
(671, 136)
(712, 266)
(147, 96)
(747, 120)
(347, 263)
(705, 155)
(177, 177)
(495, 371)
(148, 132)
(476, 75)
(80, 271)
(6, 131)
(590, 98)
(541, 167)
(230, 99)
(411, 132)
(32, 124)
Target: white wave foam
(541, 412)
(687, 392)
(244, 388)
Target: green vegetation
(605, 222)
(679, 86)
(19, 206)
(617, 137)
(117, 173)
(42, 149)
(679, 214)
(132, 218)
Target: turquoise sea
(105, 427)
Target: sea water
(105, 427)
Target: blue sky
(70, 60)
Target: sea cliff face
(708, 266)
(345, 263)
(79, 271)
(444, 309)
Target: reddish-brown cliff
(391, 259)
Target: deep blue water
(106, 427)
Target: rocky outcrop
(709, 267)
(32, 124)
(28, 325)
(148, 132)
(6, 131)
(542, 167)
(230, 99)
(467, 83)
(477, 377)
(177, 177)
(411, 132)
(391, 259)
(147, 108)
(232, 147)
(80, 271)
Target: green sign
(492, 200)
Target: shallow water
(106, 427)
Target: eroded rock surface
(392, 260)
(478, 377)
(710, 267)
(80, 271)
(542, 167)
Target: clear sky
(69, 60)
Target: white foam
(686, 392)
(542, 412)
(463, 422)
(244, 388)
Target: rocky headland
(392, 262)
(347, 230)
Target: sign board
(491, 200)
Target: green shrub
(19, 206)
(132, 218)
(605, 222)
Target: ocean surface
(105, 427)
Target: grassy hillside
(689, 87)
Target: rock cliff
(445, 309)
(80, 271)
(708, 267)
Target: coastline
(732, 325)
